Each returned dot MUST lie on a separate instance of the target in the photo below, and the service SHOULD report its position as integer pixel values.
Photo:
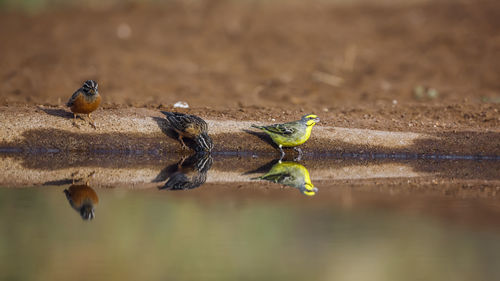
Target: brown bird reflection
(82, 198)
(188, 173)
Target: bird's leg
(300, 153)
(91, 121)
(74, 121)
(90, 175)
(184, 146)
(75, 177)
(181, 162)
(282, 152)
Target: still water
(265, 228)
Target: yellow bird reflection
(291, 174)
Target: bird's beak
(309, 192)
(316, 120)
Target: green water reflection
(151, 235)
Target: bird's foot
(91, 121)
(183, 158)
(282, 153)
(184, 146)
(299, 157)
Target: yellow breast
(300, 139)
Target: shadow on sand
(58, 112)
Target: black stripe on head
(204, 142)
(204, 164)
(90, 84)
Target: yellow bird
(291, 134)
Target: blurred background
(223, 53)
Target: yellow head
(309, 189)
(310, 119)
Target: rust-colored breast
(80, 193)
(85, 105)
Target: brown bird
(85, 100)
(190, 126)
(82, 198)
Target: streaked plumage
(82, 198)
(190, 173)
(190, 126)
(291, 134)
(85, 100)
(291, 174)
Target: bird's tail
(258, 127)
(166, 113)
(170, 116)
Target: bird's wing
(73, 97)
(277, 178)
(178, 120)
(281, 129)
(178, 181)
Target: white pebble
(181, 104)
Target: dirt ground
(255, 55)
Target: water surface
(427, 225)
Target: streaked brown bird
(190, 126)
(85, 100)
(187, 173)
(82, 198)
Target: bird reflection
(188, 173)
(82, 198)
(291, 174)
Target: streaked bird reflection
(188, 173)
